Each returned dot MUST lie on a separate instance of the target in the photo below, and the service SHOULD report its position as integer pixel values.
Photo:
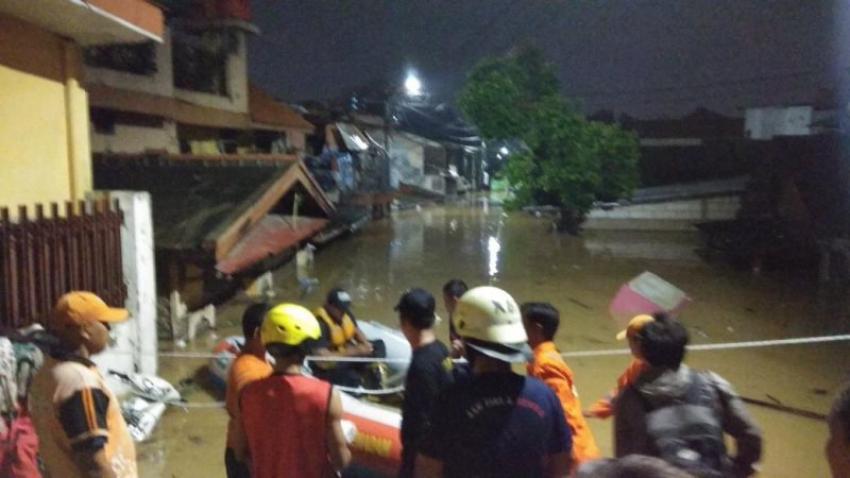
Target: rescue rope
(583, 353)
(352, 390)
(725, 346)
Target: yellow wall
(44, 137)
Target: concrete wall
(134, 348)
(672, 215)
(296, 139)
(137, 139)
(765, 123)
(44, 138)
(408, 161)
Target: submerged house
(219, 220)
(220, 157)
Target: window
(136, 58)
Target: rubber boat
(376, 445)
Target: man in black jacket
(681, 415)
(429, 372)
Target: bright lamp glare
(412, 85)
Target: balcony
(91, 22)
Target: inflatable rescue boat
(376, 445)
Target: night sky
(647, 58)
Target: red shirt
(285, 420)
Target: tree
(571, 162)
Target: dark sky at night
(642, 57)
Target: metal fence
(43, 257)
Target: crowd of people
(460, 418)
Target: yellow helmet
(289, 324)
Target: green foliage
(572, 162)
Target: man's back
(428, 375)
(549, 367)
(496, 425)
(704, 399)
(285, 422)
(71, 403)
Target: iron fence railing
(43, 257)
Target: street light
(412, 85)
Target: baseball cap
(417, 303)
(339, 298)
(81, 307)
(635, 326)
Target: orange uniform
(245, 369)
(549, 367)
(604, 407)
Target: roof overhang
(92, 22)
(101, 96)
(222, 242)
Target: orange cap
(81, 307)
(635, 325)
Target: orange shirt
(245, 369)
(70, 402)
(604, 407)
(549, 367)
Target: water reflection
(493, 248)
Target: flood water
(483, 245)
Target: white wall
(765, 123)
(679, 214)
(135, 341)
(137, 139)
(407, 164)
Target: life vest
(342, 333)
(286, 423)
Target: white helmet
(489, 320)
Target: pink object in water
(647, 294)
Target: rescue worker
(452, 291)
(340, 338)
(541, 321)
(838, 444)
(77, 417)
(603, 408)
(291, 423)
(249, 366)
(681, 415)
(428, 374)
(497, 423)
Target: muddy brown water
(483, 245)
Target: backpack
(688, 433)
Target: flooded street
(519, 253)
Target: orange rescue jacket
(549, 367)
